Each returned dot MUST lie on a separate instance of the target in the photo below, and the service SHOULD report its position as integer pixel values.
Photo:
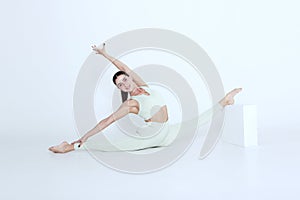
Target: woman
(144, 102)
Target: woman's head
(123, 81)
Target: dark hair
(123, 94)
(118, 74)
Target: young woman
(143, 101)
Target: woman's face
(124, 83)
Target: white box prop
(240, 126)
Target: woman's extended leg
(200, 120)
(215, 132)
(129, 144)
(208, 115)
(227, 100)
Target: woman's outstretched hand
(99, 50)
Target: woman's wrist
(105, 55)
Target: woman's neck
(137, 91)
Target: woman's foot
(64, 147)
(229, 98)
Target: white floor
(269, 171)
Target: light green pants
(154, 134)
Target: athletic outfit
(153, 134)
(148, 105)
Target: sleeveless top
(148, 104)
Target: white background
(254, 44)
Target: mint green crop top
(149, 104)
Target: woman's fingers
(98, 50)
(95, 49)
(77, 141)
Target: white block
(240, 127)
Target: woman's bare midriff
(160, 116)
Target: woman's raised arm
(120, 65)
